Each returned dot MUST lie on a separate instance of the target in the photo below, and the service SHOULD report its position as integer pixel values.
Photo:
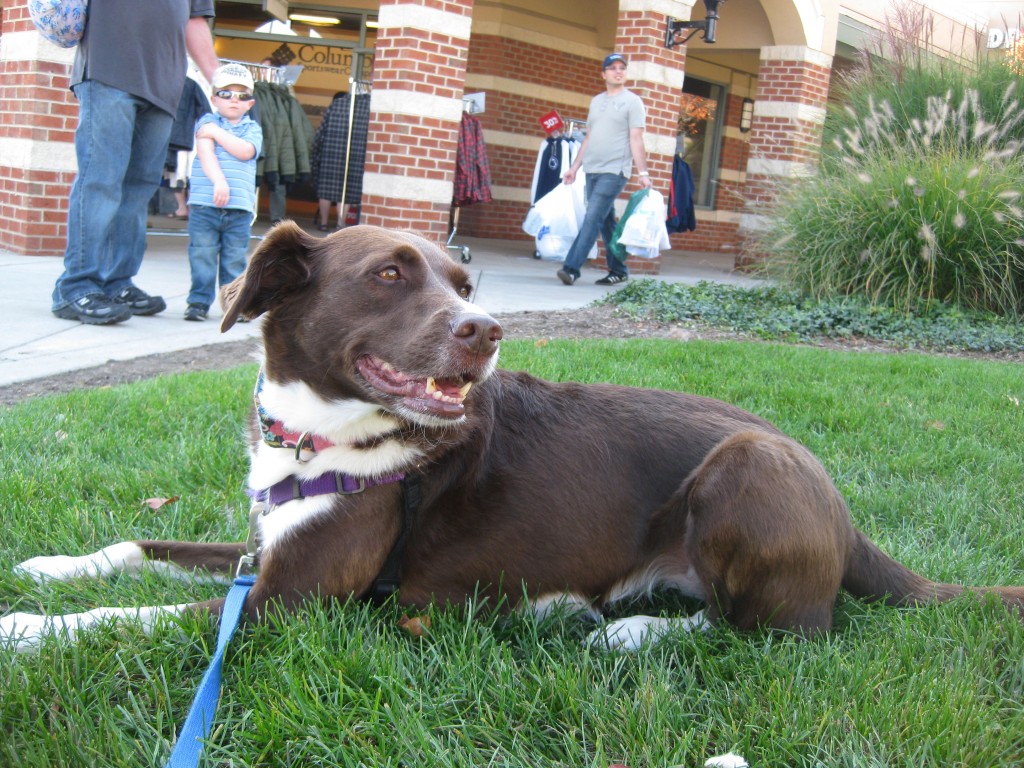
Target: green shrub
(917, 195)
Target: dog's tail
(873, 575)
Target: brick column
(656, 76)
(38, 117)
(789, 112)
(419, 73)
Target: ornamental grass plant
(917, 199)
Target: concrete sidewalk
(36, 344)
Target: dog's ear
(281, 265)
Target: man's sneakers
(140, 302)
(196, 313)
(612, 278)
(95, 309)
(98, 309)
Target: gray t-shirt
(138, 46)
(608, 124)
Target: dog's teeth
(431, 386)
(464, 390)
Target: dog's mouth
(442, 397)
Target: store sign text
(1003, 38)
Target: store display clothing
(681, 214)
(287, 135)
(330, 144)
(555, 156)
(472, 167)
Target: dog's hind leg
(768, 534)
(25, 631)
(176, 557)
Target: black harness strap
(390, 576)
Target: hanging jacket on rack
(555, 156)
(472, 168)
(287, 135)
(681, 215)
(328, 157)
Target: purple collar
(292, 488)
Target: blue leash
(199, 722)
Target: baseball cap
(611, 58)
(231, 74)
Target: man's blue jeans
(218, 239)
(602, 189)
(121, 144)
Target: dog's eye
(465, 292)
(389, 274)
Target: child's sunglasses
(240, 95)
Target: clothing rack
(572, 127)
(474, 103)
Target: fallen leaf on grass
(157, 502)
(417, 626)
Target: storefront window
(322, 59)
(700, 135)
(330, 46)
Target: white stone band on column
(426, 19)
(396, 101)
(408, 188)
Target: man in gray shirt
(128, 76)
(613, 145)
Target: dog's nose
(481, 333)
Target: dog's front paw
(59, 567)
(126, 556)
(633, 632)
(22, 631)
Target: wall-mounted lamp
(747, 115)
(674, 29)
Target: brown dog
(388, 453)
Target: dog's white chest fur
(346, 424)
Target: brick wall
(38, 116)
(792, 92)
(418, 77)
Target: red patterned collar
(305, 444)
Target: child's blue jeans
(218, 239)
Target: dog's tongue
(430, 395)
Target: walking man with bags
(613, 145)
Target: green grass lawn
(927, 450)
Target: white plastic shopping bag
(556, 211)
(644, 233)
(554, 219)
